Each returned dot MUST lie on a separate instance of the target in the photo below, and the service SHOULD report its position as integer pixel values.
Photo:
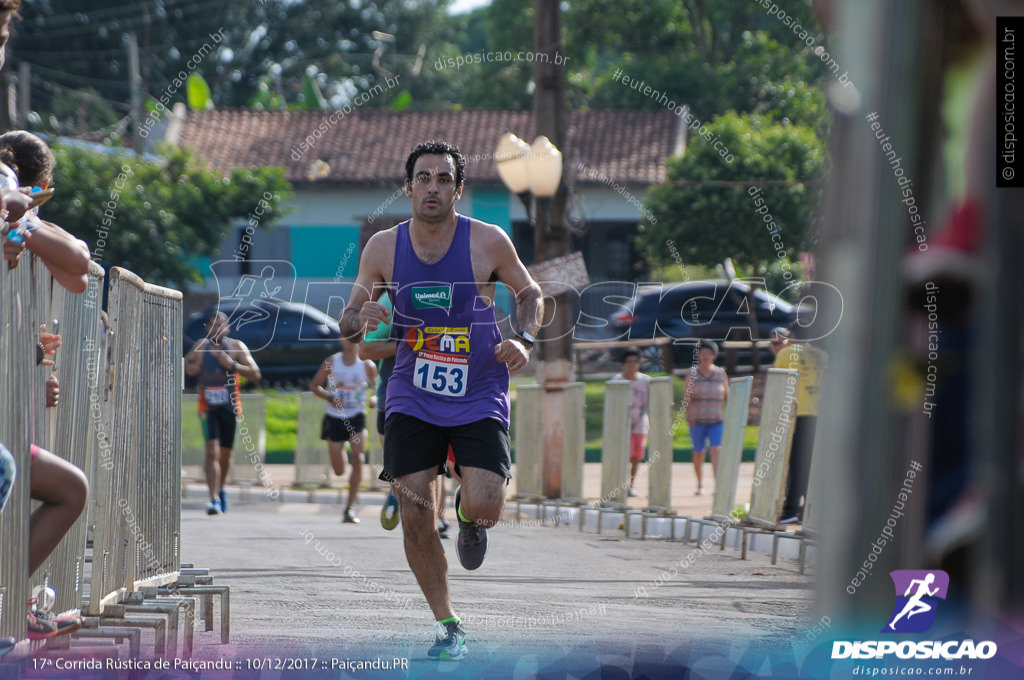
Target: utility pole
(6, 119)
(135, 83)
(147, 43)
(24, 93)
(552, 237)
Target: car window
(252, 326)
(315, 325)
(691, 302)
(675, 296)
(768, 301)
(289, 323)
(645, 304)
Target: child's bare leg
(63, 489)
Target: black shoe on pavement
(472, 544)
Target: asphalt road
(547, 600)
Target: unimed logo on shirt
(431, 297)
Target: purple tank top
(445, 370)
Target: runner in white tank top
(342, 382)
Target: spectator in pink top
(705, 413)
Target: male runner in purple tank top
(451, 376)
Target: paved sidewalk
(304, 583)
(684, 484)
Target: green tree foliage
(502, 33)
(709, 222)
(243, 50)
(712, 56)
(156, 218)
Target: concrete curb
(554, 516)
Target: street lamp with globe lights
(534, 174)
(529, 170)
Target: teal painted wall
(318, 251)
(201, 263)
(491, 205)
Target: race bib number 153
(441, 373)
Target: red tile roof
(370, 147)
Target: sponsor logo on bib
(439, 339)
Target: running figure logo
(916, 593)
(253, 299)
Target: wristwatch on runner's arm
(526, 338)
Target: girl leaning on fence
(26, 163)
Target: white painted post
(659, 444)
(775, 436)
(615, 454)
(528, 431)
(312, 466)
(736, 411)
(193, 448)
(574, 440)
(245, 455)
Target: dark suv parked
(715, 309)
(288, 340)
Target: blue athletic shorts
(706, 434)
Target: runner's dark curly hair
(440, 148)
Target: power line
(121, 25)
(73, 17)
(56, 88)
(114, 51)
(64, 74)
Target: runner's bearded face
(433, 190)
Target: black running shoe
(472, 544)
(450, 642)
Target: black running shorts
(412, 445)
(342, 429)
(219, 424)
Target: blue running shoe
(450, 643)
(223, 501)
(213, 507)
